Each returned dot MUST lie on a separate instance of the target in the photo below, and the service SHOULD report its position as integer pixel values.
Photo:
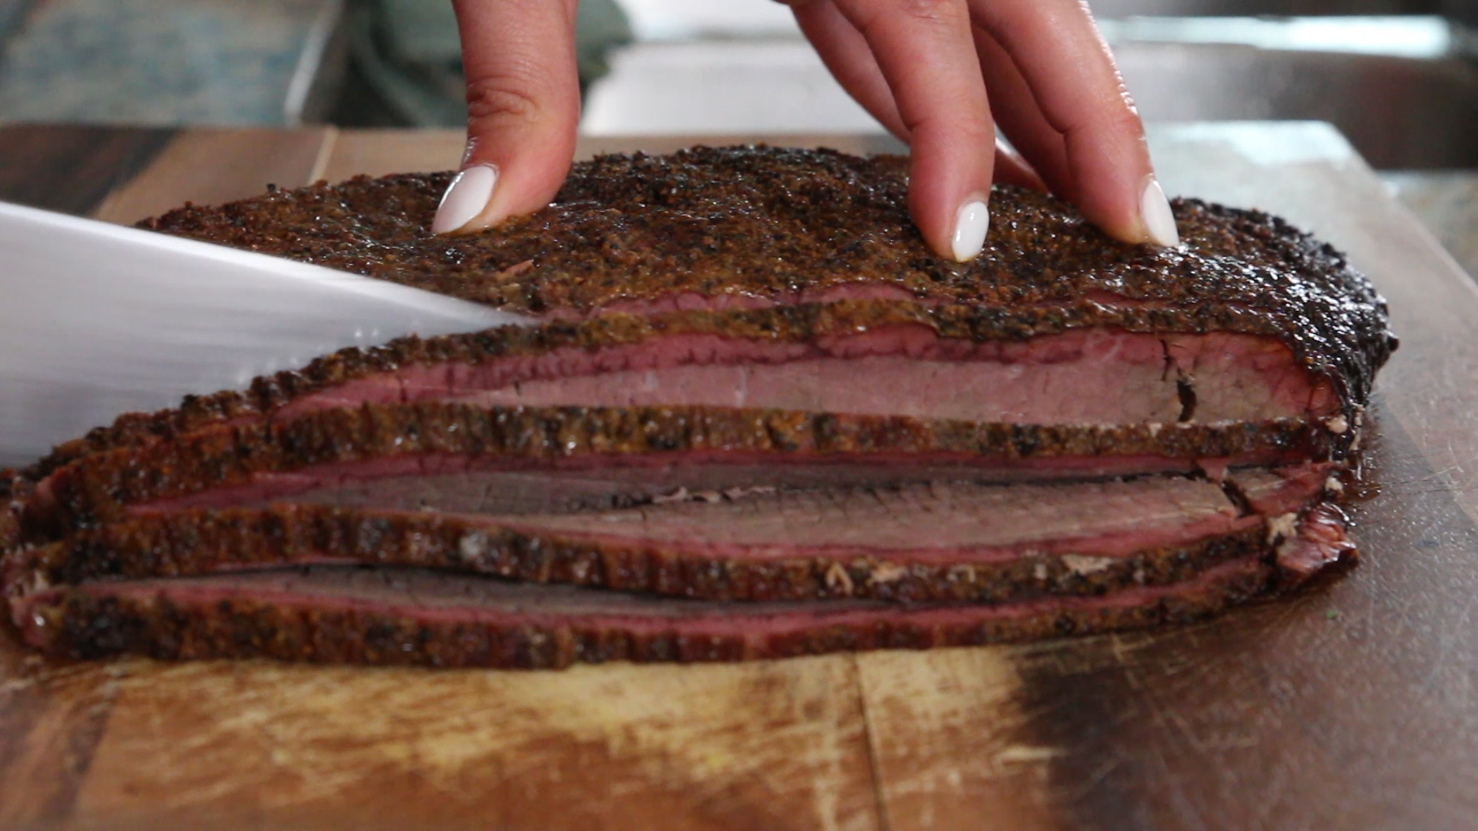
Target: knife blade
(99, 319)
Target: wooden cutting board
(1351, 705)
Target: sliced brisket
(212, 585)
(1063, 368)
(930, 541)
(404, 616)
(400, 455)
(790, 429)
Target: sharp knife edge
(99, 319)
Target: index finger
(523, 105)
(1071, 73)
(846, 53)
(927, 55)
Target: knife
(98, 319)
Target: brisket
(758, 419)
(921, 541)
(398, 455)
(747, 226)
(1065, 368)
(406, 616)
(150, 587)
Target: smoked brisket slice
(930, 541)
(417, 617)
(748, 226)
(212, 584)
(916, 542)
(1060, 367)
(405, 452)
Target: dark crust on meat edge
(752, 224)
(95, 488)
(779, 225)
(791, 324)
(78, 624)
(204, 541)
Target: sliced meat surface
(466, 485)
(401, 616)
(922, 541)
(931, 521)
(1027, 367)
(917, 541)
(1089, 376)
(397, 455)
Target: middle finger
(927, 56)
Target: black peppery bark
(748, 224)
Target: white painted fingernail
(1159, 222)
(971, 223)
(465, 198)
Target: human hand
(523, 107)
(940, 74)
(937, 73)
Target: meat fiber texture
(761, 421)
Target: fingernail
(465, 198)
(971, 223)
(1154, 211)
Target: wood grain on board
(51, 719)
(950, 741)
(1348, 705)
(764, 746)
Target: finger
(850, 60)
(1072, 76)
(925, 53)
(523, 106)
(1020, 119)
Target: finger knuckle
(1121, 115)
(933, 14)
(937, 12)
(506, 97)
(1110, 111)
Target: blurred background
(1398, 77)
